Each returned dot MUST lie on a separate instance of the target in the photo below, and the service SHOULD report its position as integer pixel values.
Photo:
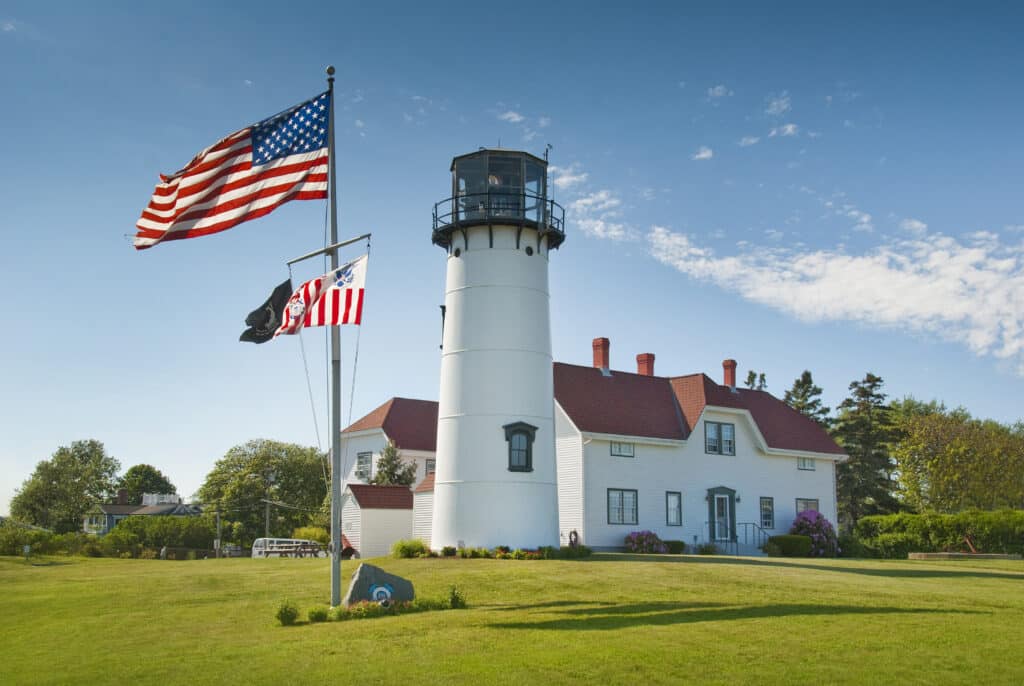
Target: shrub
(790, 545)
(645, 542)
(707, 549)
(815, 526)
(312, 533)
(448, 551)
(569, 552)
(456, 599)
(411, 547)
(287, 613)
(317, 614)
(998, 531)
(771, 549)
(675, 547)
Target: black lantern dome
(506, 187)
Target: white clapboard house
(684, 456)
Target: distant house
(374, 517)
(411, 424)
(103, 517)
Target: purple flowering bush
(815, 526)
(645, 542)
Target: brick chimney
(122, 496)
(645, 364)
(729, 369)
(601, 352)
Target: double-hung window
(806, 504)
(622, 449)
(622, 506)
(767, 513)
(805, 463)
(673, 508)
(364, 466)
(719, 438)
(430, 467)
(520, 446)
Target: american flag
(245, 175)
(332, 299)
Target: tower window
(520, 437)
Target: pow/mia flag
(265, 319)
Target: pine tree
(756, 381)
(865, 430)
(392, 470)
(804, 397)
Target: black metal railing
(520, 208)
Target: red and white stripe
(318, 302)
(220, 189)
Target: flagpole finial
(330, 72)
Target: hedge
(790, 545)
(893, 536)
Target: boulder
(375, 585)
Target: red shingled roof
(427, 484)
(411, 424)
(382, 497)
(623, 403)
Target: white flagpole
(335, 369)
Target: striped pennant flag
(245, 175)
(330, 300)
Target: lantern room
(499, 187)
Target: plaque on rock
(375, 585)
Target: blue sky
(795, 186)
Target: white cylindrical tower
(495, 481)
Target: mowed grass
(613, 619)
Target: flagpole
(335, 367)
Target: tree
(864, 428)
(805, 398)
(144, 478)
(291, 476)
(62, 489)
(756, 381)
(392, 470)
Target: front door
(722, 524)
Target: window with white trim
(673, 508)
(622, 506)
(430, 467)
(767, 512)
(622, 449)
(719, 438)
(806, 504)
(805, 463)
(364, 466)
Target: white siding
(569, 457)
(381, 528)
(422, 512)
(373, 441)
(351, 520)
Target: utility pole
(219, 542)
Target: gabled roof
(382, 497)
(782, 427)
(115, 509)
(427, 484)
(411, 424)
(622, 403)
(176, 509)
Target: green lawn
(613, 619)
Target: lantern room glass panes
(505, 186)
(534, 187)
(471, 187)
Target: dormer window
(719, 438)
(520, 437)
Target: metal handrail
(500, 206)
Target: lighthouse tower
(495, 480)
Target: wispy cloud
(543, 122)
(914, 226)
(777, 105)
(511, 116)
(703, 153)
(784, 130)
(747, 141)
(597, 215)
(718, 92)
(565, 178)
(8, 26)
(969, 290)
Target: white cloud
(777, 105)
(8, 27)
(544, 122)
(247, 82)
(599, 201)
(719, 91)
(914, 226)
(968, 292)
(703, 153)
(359, 123)
(774, 234)
(747, 141)
(784, 130)
(597, 215)
(565, 178)
(511, 117)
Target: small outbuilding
(374, 517)
(423, 509)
